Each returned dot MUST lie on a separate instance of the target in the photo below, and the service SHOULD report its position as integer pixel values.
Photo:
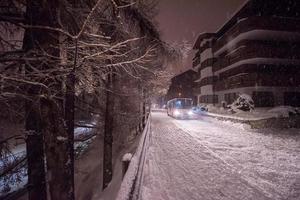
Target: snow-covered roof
(234, 15)
(206, 35)
(201, 37)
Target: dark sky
(181, 20)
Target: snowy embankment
(211, 159)
(17, 178)
(130, 187)
(15, 164)
(256, 114)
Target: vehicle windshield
(183, 103)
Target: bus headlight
(190, 112)
(176, 113)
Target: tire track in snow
(236, 168)
(179, 168)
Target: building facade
(256, 52)
(182, 86)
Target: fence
(132, 181)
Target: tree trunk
(35, 153)
(57, 146)
(69, 118)
(58, 151)
(34, 142)
(108, 133)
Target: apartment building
(256, 52)
(182, 86)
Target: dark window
(183, 103)
(230, 97)
(292, 99)
(209, 99)
(263, 99)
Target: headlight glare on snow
(176, 113)
(190, 112)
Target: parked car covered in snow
(199, 109)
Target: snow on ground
(19, 180)
(284, 111)
(88, 171)
(11, 183)
(210, 159)
(113, 189)
(256, 114)
(78, 131)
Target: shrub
(244, 102)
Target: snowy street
(211, 159)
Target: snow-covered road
(210, 159)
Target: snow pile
(61, 138)
(257, 114)
(215, 109)
(285, 111)
(127, 157)
(81, 130)
(81, 146)
(244, 102)
(16, 178)
(85, 130)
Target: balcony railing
(257, 51)
(196, 62)
(257, 23)
(255, 79)
(207, 63)
(207, 81)
(236, 82)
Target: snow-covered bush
(244, 102)
(285, 111)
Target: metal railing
(132, 181)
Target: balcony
(256, 79)
(207, 63)
(196, 91)
(207, 81)
(196, 62)
(258, 51)
(246, 80)
(257, 23)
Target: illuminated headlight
(190, 112)
(176, 112)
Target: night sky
(183, 20)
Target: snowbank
(127, 157)
(12, 182)
(256, 114)
(285, 111)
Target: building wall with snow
(256, 52)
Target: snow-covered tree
(244, 102)
(63, 51)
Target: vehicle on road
(180, 108)
(199, 109)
